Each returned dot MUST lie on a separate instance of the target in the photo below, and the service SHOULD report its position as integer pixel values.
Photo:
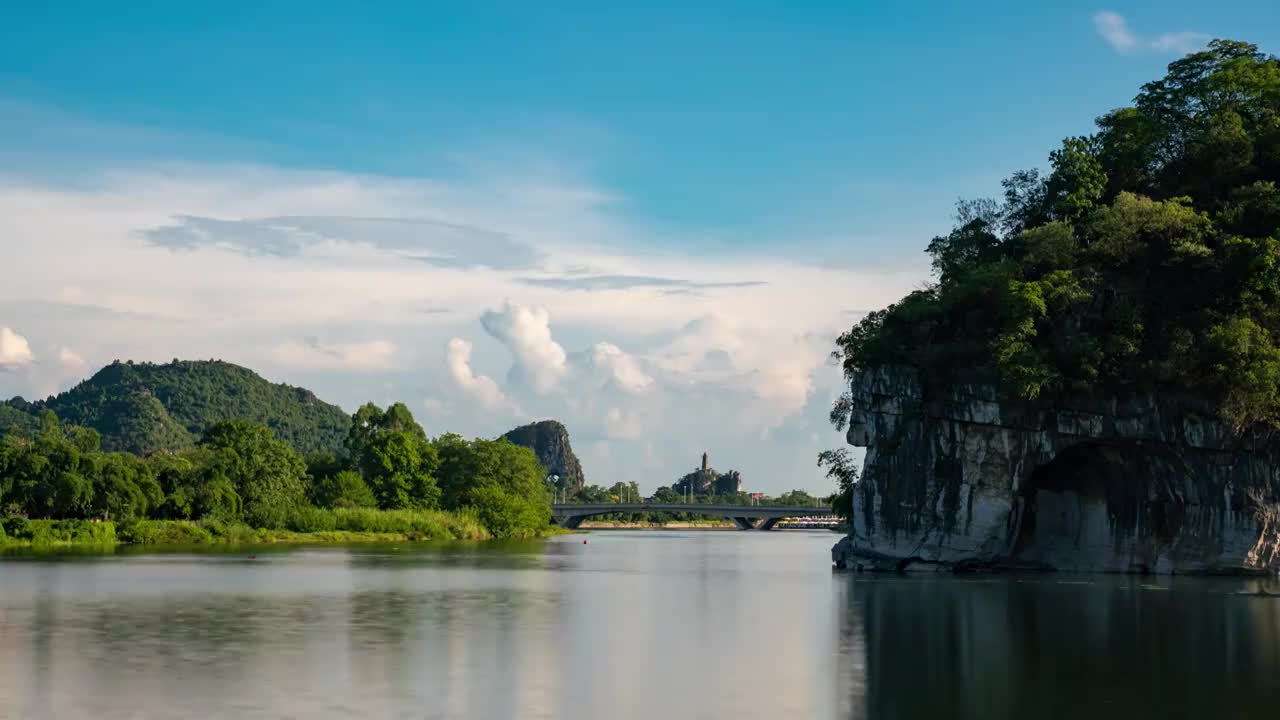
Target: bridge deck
(570, 515)
(752, 511)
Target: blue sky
(704, 148)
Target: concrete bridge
(746, 517)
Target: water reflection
(633, 625)
(1061, 648)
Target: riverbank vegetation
(240, 483)
(1147, 258)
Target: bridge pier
(571, 522)
(768, 523)
(744, 523)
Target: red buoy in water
(584, 542)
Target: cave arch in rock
(1098, 499)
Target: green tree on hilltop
(1147, 260)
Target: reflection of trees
(1046, 648)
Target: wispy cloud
(442, 244)
(313, 354)
(1114, 28)
(629, 282)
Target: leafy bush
(344, 489)
(164, 532)
(414, 524)
(229, 532)
(18, 528)
(509, 516)
(311, 520)
(61, 532)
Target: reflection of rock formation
(1048, 649)
(960, 475)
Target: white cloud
(1181, 42)
(607, 365)
(480, 387)
(681, 373)
(623, 424)
(526, 331)
(311, 354)
(1114, 29)
(15, 351)
(71, 363)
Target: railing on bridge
(746, 517)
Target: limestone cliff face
(549, 440)
(1110, 484)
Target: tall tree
(268, 475)
(394, 456)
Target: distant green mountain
(16, 416)
(144, 407)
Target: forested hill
(144, 407)
(1146, 259)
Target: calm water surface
(631, 625)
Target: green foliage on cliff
(1146, 259)
(142, 408)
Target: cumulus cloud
(1114, 29)
(538, 360)
(480, 387)
(607, 365)
(775, 366)
(15, 351)
(309, 262)
(312, 354)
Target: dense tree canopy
(268, 475)
(143, 408)
(392, 452)
(240, 472)
(1147, 258)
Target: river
(661, 624)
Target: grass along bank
(306, 525)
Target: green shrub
(509, 516)
(345, 489)
(413, 524)
(311, 520)
(18, 528)
(230, 532)
(164, 532)
(60, 532)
